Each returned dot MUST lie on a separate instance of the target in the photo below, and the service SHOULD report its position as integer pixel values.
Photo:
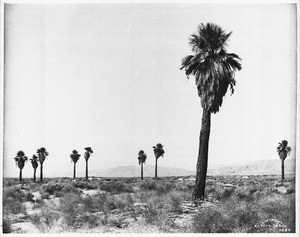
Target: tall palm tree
(42, 153)
(158, 152)
(214, 71)
(35, 164)
(75, 157)
(283, 150)
(20, 162)
(87, 155)
(142, 156)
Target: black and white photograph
(148, 117)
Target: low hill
(261, 167)
(135, 171)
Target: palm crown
(158, 150)
(142, 156)
(42, 154)
(34, 161)
(211, 65)
(283, 149)
(75, 156)
(20, 159)
(87, 153)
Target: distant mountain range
(260, 167)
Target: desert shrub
(212, 220)
(6, 225)
(220, 192)
(89, 204)
(84, 185)
(105, 205)
(243, 214)
(164, 187)
(159, 185)
(182, 187)
(115, 187)
(44, 194)
(245, 193)
(52, 187)
(176, 200)
(67, 188)
(13, 192)
(29, 197)
(71, 207)
(154, 212)
(13, 198)
(86, 219)
(281, 208)
(148, 184)
(44, 220)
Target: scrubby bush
(44, 220)
(67, 188)
(84, 185)
(155, 212)
(13, 198)
(52, 187)
(212, 220)
(162, 187)
(71, 208)
(29, 197)
(176, 200)
(148, 184)
(115, 187)
(281, 208)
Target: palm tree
(283, 150)
(20, 162)
(142, 156)
(214, 71)
(158, 152)
(42, 153)
(75, 157)
(35, 164)
(87, 155)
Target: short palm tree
(74, 157)
(283, 150)
(158, 152)
(20, 162)
(35, 164)
(142, 156)
(87, 155)
(42, 153)
(214, 71)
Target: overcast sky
(108, 76)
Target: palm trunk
(86, 170)
(282, 170)
(202, 156)
(20, 175)
(155, 167)
(41, 175)
(74, 171)
(142, 176)
(34, 175)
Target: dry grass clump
(115, 187)
(46, 219)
